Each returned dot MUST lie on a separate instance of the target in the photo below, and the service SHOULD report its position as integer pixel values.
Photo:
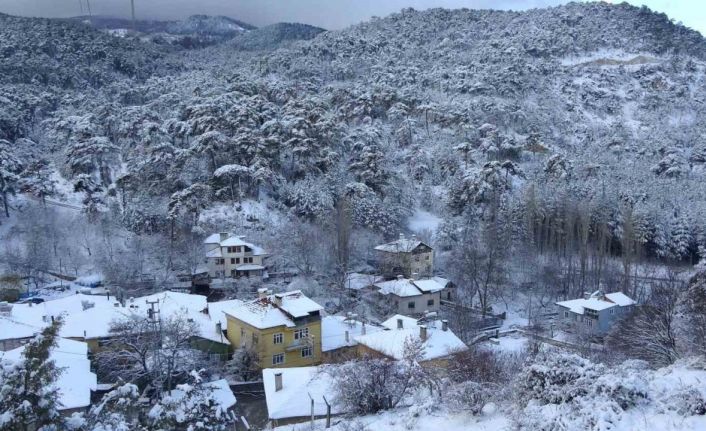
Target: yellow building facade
(284, 330)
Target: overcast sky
(329, 14)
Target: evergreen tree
(28, 395)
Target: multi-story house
(283, 328)
(409, 257)
(596, 312)
(230, 255)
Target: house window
(411, 305)
(220, 261)
(232, 261)
(306, 352)
(278, 359)
(237, 260)
(237, 249)
(301, 333)
(242, 336)
(427, 257)
(277, 338)
(611, 311)
(566, 314)
(255, 339)
(430, 302)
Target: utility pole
(88, 5)
(132, 7)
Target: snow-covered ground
(409, 419)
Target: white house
(410, 296)
(596, 312)
(230, 255)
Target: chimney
(347, 337)
(362, 329)
(400, 277)
(444, 325)
(108, 296)
(278, 382)
(52, 319)
(586, 295)
(219, 328)
(223, 236)
(262, 292)
(278, 300)
(423, 332)
(400, 324)
(415, 275)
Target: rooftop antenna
(80, 6)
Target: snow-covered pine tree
(28, 396)
(192, 406)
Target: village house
(438, 342)
(283, 328)
(230, 256)
(411, 296)
(88, 318)
(596, 312)
(408, 257)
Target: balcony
(301, 343)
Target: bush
(469, 396)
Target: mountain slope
(586, 108)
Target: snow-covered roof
(391, 343)
(407, 322)
(401, 245)
(232, 241)
(597, 301)
(404, 287)
(275, 310)
(441, 280)
(298, 384)
(334, 328)
(620, 299)
(76, 381)
(222, 394)
(428, 285)
(26, 320)
(217, 310)
(90, 316)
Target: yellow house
(283, 328)
(437, 343)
